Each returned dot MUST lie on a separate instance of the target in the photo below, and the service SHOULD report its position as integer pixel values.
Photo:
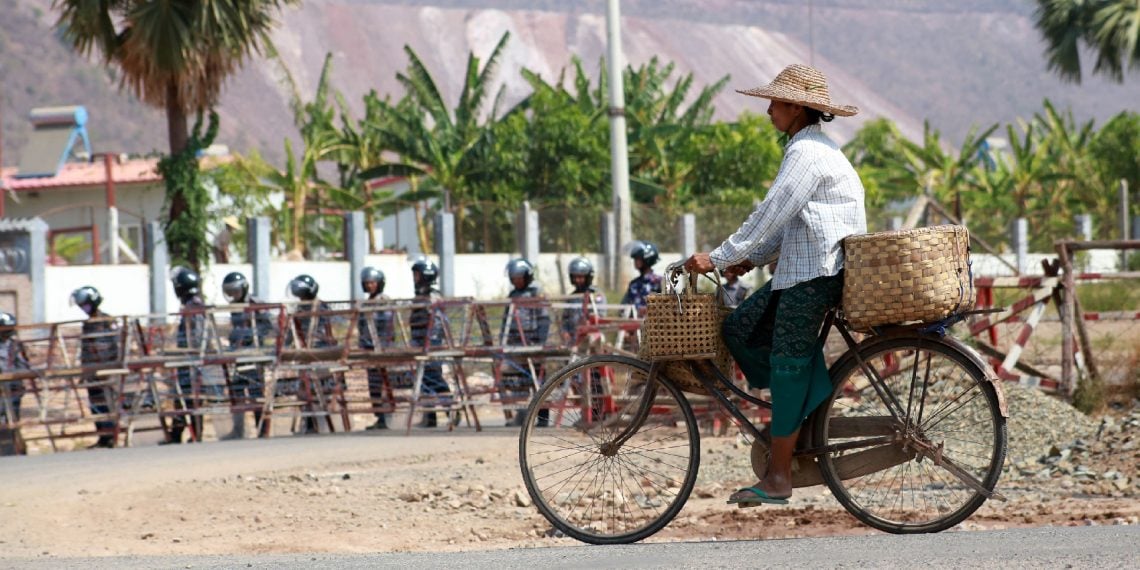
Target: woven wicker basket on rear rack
(684, 326)
(905, 276)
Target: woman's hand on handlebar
(699, 263)
(740, 268)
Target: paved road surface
(1067, 547)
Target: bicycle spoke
(627, 472)
(955, 434)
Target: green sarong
(774, 337)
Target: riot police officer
(12, 359)
(645, 256)
(99, 345)
(380, 334)
(523, 325)
(735, 292)
(191, 328)
(535, 321)
(426, 324)
(248, 329)
(311, 334)
(582, 280)
(304, 288)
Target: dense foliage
(481, 161)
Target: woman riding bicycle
(815, 202)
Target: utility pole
(3, 188)
(811, 33)
(619, 159)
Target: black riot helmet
(581, 266)
(646, 252)
(520, 266)
(87, 298)
(7, 320)
(427, 272)
(186, 283)
(372, 275)
(304, 287)
(235, 287)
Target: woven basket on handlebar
(682, 326)
(905, 276)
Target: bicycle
(911, 440)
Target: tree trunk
(369, 223)
(421, 224)
(178, 136)
(300, 196)
(421, 228)
(460, 217)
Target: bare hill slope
(955, 63)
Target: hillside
(958, 64)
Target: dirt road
(366, 492)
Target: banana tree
(930, 168)
(439, 145)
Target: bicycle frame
(904, 420)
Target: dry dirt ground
(386, 492)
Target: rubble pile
(1104, 462)
(1038, 421)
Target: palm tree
(1111, 28)
(174, 56)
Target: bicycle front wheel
(607, 457)
(914, 436)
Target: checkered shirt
(815, 202)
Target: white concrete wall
(125, 289)
(1097, 261)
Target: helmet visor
(234, 291)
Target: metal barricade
(323, 365)
(66, 380)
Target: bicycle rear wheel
(606, 457)
(911, 452)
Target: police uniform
(322, 333)
(426, 324)
(191, 326)
(100, 345)
(735, 293)
(321, 337)
(249, 329)
(637, 294)
(384, 326)
(528, 326)
(12, 359)
(573, 317)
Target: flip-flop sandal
(759, 498)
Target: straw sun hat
(801, 85)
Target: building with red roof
(77, 200)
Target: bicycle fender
(968, 351)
